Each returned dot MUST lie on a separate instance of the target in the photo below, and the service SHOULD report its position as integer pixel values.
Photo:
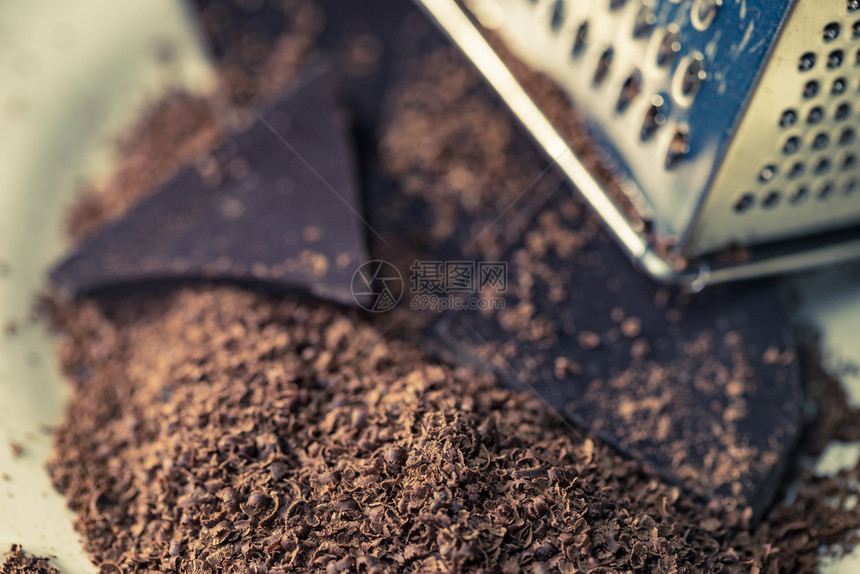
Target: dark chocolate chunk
(276, 206)
(703, 389)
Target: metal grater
(731, 125)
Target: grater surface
(730, 122)
(793, 165)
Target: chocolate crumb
(588, 340)
(631, 327)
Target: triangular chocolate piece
(283, 212)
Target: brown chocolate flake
(588, 340)
(631, 327)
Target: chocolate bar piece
(281, 209)
(703, 389)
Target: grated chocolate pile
(213, 429)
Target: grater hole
(822, 166)
(851, 186)
(744, 203)
(839, 86)
(679, 147)
(791, 145)
(581, 40)
(629, 90)
(796, 170)
(800, 195)
(788, 118)
(654, 118)
(645, 20)
(835, 59)
(704, 12)
(852, 6)
(807, 62)
(557, 18)
(810, 90)
(826, 190)
(855, 30)
(849, 162)
(820, 141)
(771, 200)
(831, 31)
(847, 136)
(842, 112)
(815, 116)
(767, 173)
(857, 58)
(616, 4)
(668, 49)
(603, 66)
(694, 74)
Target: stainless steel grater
(729, 123)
